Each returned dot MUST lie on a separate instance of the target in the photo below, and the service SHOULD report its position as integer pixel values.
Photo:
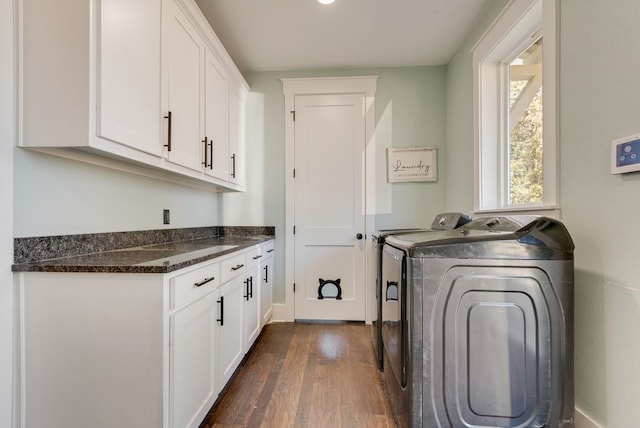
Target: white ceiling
(270, 35)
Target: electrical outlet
(166, 216)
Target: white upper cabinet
(129, 63)
(236, 137)
(183, 57)
(216, 123)
(140, 81)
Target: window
(515, 87)
(525, 145)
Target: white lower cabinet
(192, 347)
(266, 284)
(251, 308)
(133, 350)
(192, 362)
(92, 350)
(229, 339)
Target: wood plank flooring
(308, 376)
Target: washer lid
(447, 221)
(442, 221)
(512, 237)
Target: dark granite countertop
(154, 258)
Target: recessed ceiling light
(326, 1)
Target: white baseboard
(582, 420)
(281, 313)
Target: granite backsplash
(33, 249)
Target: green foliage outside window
(525, 151)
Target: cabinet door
(192, 362)
(216, 118)
(251, 309)
(236, 137)
(183, 67)
(229, 329)
(128, 73)
(266, 290)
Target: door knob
(359, 236)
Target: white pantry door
(329, 207)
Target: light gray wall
(7, 288)
(599, 92)
(56, 196)
(410, 110)
(459, 156)
(600, 59)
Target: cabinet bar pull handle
(210, 154)
(233, 169)
(247, 295)
(270, 251)
(204, 162)
(251, 287)
(257, 257)
(266, 274)
(168, 145)
(204, 281)
(221, 319)
(236, 267)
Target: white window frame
(520, 24)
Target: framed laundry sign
(411, 164)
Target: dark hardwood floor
(306, 375)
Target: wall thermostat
(625, 154)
